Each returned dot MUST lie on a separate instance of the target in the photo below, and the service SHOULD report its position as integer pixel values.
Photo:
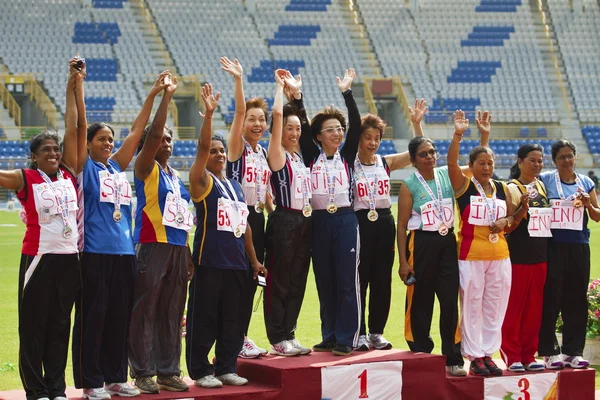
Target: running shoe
(172, 383)
(576, 362)
(478, 368)
(491, 366)
(554, 362)
(379, 342)
(284, 348)
(95, 394)
(296, 344)
(208, 382)
(232, 379)
(146, 385)
(362, 344)
(456, 370)
(534, 366)
(516, 367)
(122, 389)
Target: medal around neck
(67, 232)
(179, 218)
(307, 210)
(117, 215)
(238, 232)
(259, 207)
(532, 191)
(372, 215)
(443, 229)
(332, 208)
(494, 237)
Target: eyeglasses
(566, 157)
(433, 153)
(332, 130)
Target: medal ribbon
(62, 201)
(174, 181)
(298, 169)
(559, 188)
(116, 180)
(259, 170)
(492, 209)
(363, 175)
(330, 182)
(436, 201)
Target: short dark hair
(523, 152)
(145, 135)
(36, 142)
(329, 112)
(559, 144)
(479, 150)
(372, 121)
(288, 110)
(95, 127)
(220, 139)
(414, 144)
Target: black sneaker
(491, 366)
(342, 350)
(478, 368)
(324, 346)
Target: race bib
(565, 216)
(251, 175)
(478, 212)
(177, 214)
(382, 191)
(540, 222)
(298, 179)
(430, 215)
(228, 218)
(319, 180)
(107, 188)
(45, 198)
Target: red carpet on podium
(423, 378)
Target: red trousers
(523, 318)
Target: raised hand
(460, 123)
(211, 101)
(346, 83)
(292, 84)
(159, 84)
(484, 122)
(78, 72)
(417, 113)
(234, 68)
(279, 77)
(172, 86)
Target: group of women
(521, 254)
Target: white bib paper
(228, 218)
(107, 188)
(540, 221)
(478, 213)
(45, 198)
(565, 216)
(172, 209)
(430, 215)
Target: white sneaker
(516, 367)
(303, 350)
(56, 398)
(232, 379)
(208, 381)
(456, 370)
(576, 362)
(534, 366)
(95, 394)
(554, 362)
(249, 350)
(284, 348)
(263, 352)
(378, 341)
(46, 398)
(362, 344)
(122, 389)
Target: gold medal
(238, 232)
(577, 203)
(117, 215)
(332, 208)
(372, 215)
(179, 218)
(67, 232)
(259, 207)
(307, 210)
(494, 237)
(443, 229)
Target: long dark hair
(523, 152)
(39, 139)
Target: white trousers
(484, 292)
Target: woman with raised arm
(289, 227)
(162, 223)
(428, 259)
(108, 270)
(336, 243)
(528, 244)
(483, 259)
(223, 240)
(376, 223)
(247, 164)
(49, 269)
(574, 202)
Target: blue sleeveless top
(102, 234)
